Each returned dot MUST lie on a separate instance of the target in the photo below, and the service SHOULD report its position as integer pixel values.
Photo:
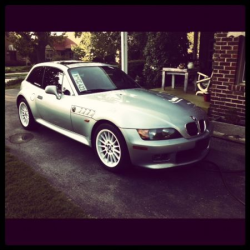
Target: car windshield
(100, 78)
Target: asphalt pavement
(194, 191)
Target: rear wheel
(111, 148)
(25, 116)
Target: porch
(189, 95)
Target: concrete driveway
(184, 192)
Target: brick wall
(225, 93)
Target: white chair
(203, 83)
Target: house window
(241, 73)
(11, 47)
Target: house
(12, 57)
(60, 51)
(228, 90)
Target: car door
(53, 110)
(35, 78)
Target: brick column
(225, 93)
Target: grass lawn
(30, 195)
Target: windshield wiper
(95, 91)
(130, 87)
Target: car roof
(72, 63)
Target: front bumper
(166, 153)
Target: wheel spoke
(106, 136)
(116, 155)
(103, 137)
(117, 151)
(111, 138)
(111, 158)
(115, 142)
(102, 141)
(115, 158)
(105, 155)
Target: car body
(102, 107)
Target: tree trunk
(40, 52)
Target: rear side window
(36, 76)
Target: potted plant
(206, 96)
(190, 65)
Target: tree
(84, 49)
(32, 44)
(100, 46)
(163, 49)
(105, 45)
(79, 52)
(136, 44)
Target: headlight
(159, 134)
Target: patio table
(176, 71)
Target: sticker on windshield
(78, 81)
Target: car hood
(141, 108)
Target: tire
(25, 116)
(110, 148)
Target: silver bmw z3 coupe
(102, 107)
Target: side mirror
(51, 89)
(66, 92)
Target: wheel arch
(19, 98)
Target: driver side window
(53, 76)
(66, 89)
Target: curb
(229, 132)
(234, 138)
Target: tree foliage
(163, 49)
(105, 45)
(136, 44)
(84, 49)
(100, 46)
(158, 49)
(32, 44)
(79, 52)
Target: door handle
(39, 97)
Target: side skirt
(70, 134)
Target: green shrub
(14, 82)
(135, 68)
(15, 63)
(9, 70)
(25, 68)
(17, 69)
(57, 57)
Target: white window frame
(240, 77)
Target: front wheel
(111, 148)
